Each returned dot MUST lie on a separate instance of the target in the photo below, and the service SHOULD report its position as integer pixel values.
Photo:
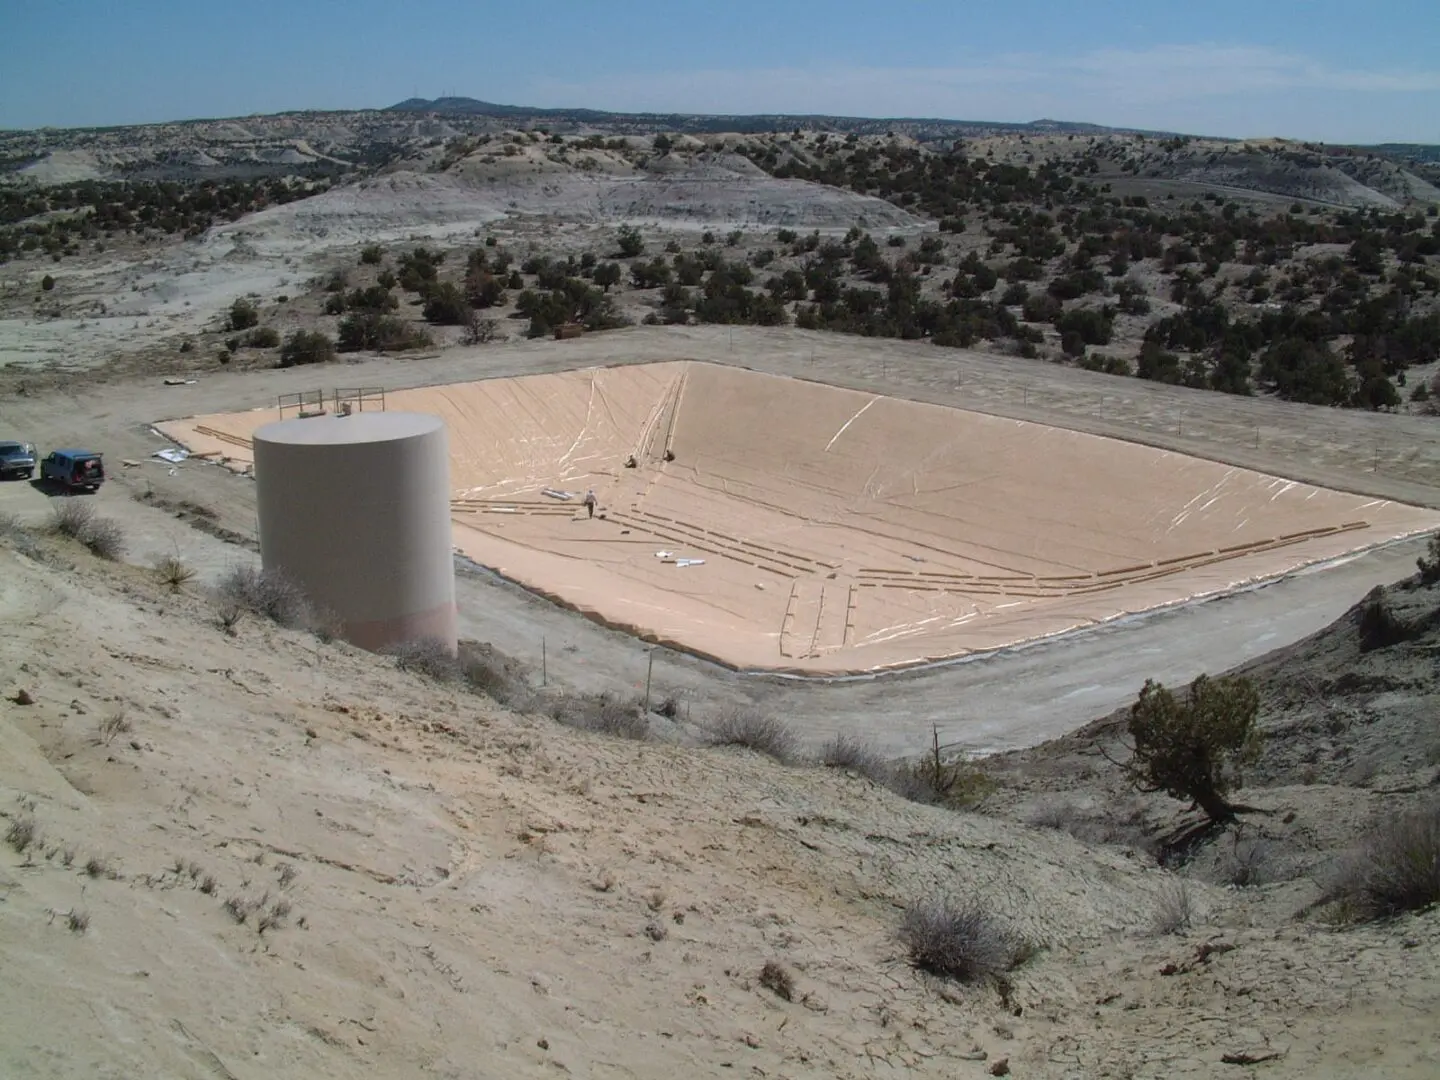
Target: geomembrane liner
(772, 523)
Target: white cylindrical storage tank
(356, 511)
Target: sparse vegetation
(267, 594)
(21, 833)
(1381, 625)
(78, 521)
(604, 713)
(430, 657)
(1174, 908)
(856, 755)
(1249, 862)
(173, 572)
(761, 732)
(1429, 563)
(1394, 869)
(959, 938)
(112, 724)
(776, 978)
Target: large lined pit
(840, 531)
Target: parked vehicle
(17, 459)
(74, 470)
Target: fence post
(649, 671)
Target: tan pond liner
(839, 531)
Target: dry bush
(105, 539)
(326, 625)
(1380, 625)
(71, 517)
(603, 713)
(426, 656)
(273, 916)
(1429, 563)
(858, 756)
(95, 867)
(208, 885)
(22, 538)
(959, 939)
(1052, 814)
(78, 920)
(228, 614)
(21, 833)
(1175, 908)
(776, 978)
(173, 573)
(112, 724)
(1394, 869)
(755, 731)
(485, 671)
(266, 593)
(1249, 863)
(958, 783)
(78, 521)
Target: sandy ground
(775, 524)
(1003, 701)
(455, 891)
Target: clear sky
(1350, 71)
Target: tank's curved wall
(356, 510)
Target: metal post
(649, 671)
(544, 665)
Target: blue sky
(1341, 72)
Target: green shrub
(631, 242)
(1191, 748)
(263, 337)
(383, 333)
(307, 347)
(445, 305)
(242, 315)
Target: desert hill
(388, 874)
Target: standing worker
(590, 502)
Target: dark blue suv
(73, 470)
